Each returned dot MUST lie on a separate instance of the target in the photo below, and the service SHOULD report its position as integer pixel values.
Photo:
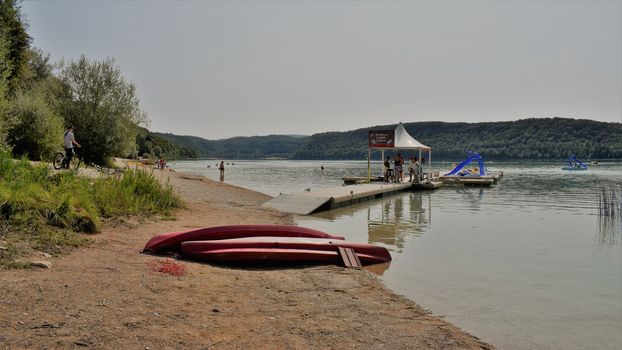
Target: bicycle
(60, 160)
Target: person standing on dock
(398, 167)
(388, 173)
(417, 170)
(411, 168)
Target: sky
(221, 69)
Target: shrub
(35, 130)
(48, 209)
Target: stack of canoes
(262, 243)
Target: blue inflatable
(472, 156)
(574, 164)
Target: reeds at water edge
(609, 201)
(609, 215)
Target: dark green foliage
(103, 108)
(16, 42)
(546, 138)
(38, 68)
(151, 145)
(35, 130)
(255, 147)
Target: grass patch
(45, 211)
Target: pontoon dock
(309, 202)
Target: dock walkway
(308, 202)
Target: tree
(35, 129)
(103, 108)
(38, 68)
(4, 103)
(16, 42)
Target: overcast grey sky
(221, 69)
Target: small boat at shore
(282, 248)
(171, 242)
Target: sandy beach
(105, 295)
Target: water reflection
(471, 197)
(609, 231)
(390, 221)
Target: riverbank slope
(106, 295)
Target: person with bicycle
(69, 143)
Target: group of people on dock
(396, 173)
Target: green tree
(16, 43)
(4, 103)
(38, 68)
(102, 106)
(35, 129)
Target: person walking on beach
(161, 163)
(68, 142)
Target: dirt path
(106, 296)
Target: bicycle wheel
(58, 161)
(77, 161)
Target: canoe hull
(379, 254)
(275, 255)
(167, 242)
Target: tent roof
(403, 140)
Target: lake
(526, 264)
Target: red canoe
(241, 255)
(170, 242)
(281, 248)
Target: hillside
(254, 147)
(547, 138)
(550, 138)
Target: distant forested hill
(254, 147)
(549, 138)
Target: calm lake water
(527, 264)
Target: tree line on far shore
(543, 138)
(534, 138)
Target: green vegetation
(103, 108)
(543, 138)
(45, 211)
(150, 145)
(254, 147)
(34, 126)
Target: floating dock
(472, 180)
(309, 202)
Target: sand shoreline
(106, 296)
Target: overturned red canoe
(282, 248)
(167, 242)
(271, 255)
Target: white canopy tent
(402, 141)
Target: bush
(47, 210)
(35, 131)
